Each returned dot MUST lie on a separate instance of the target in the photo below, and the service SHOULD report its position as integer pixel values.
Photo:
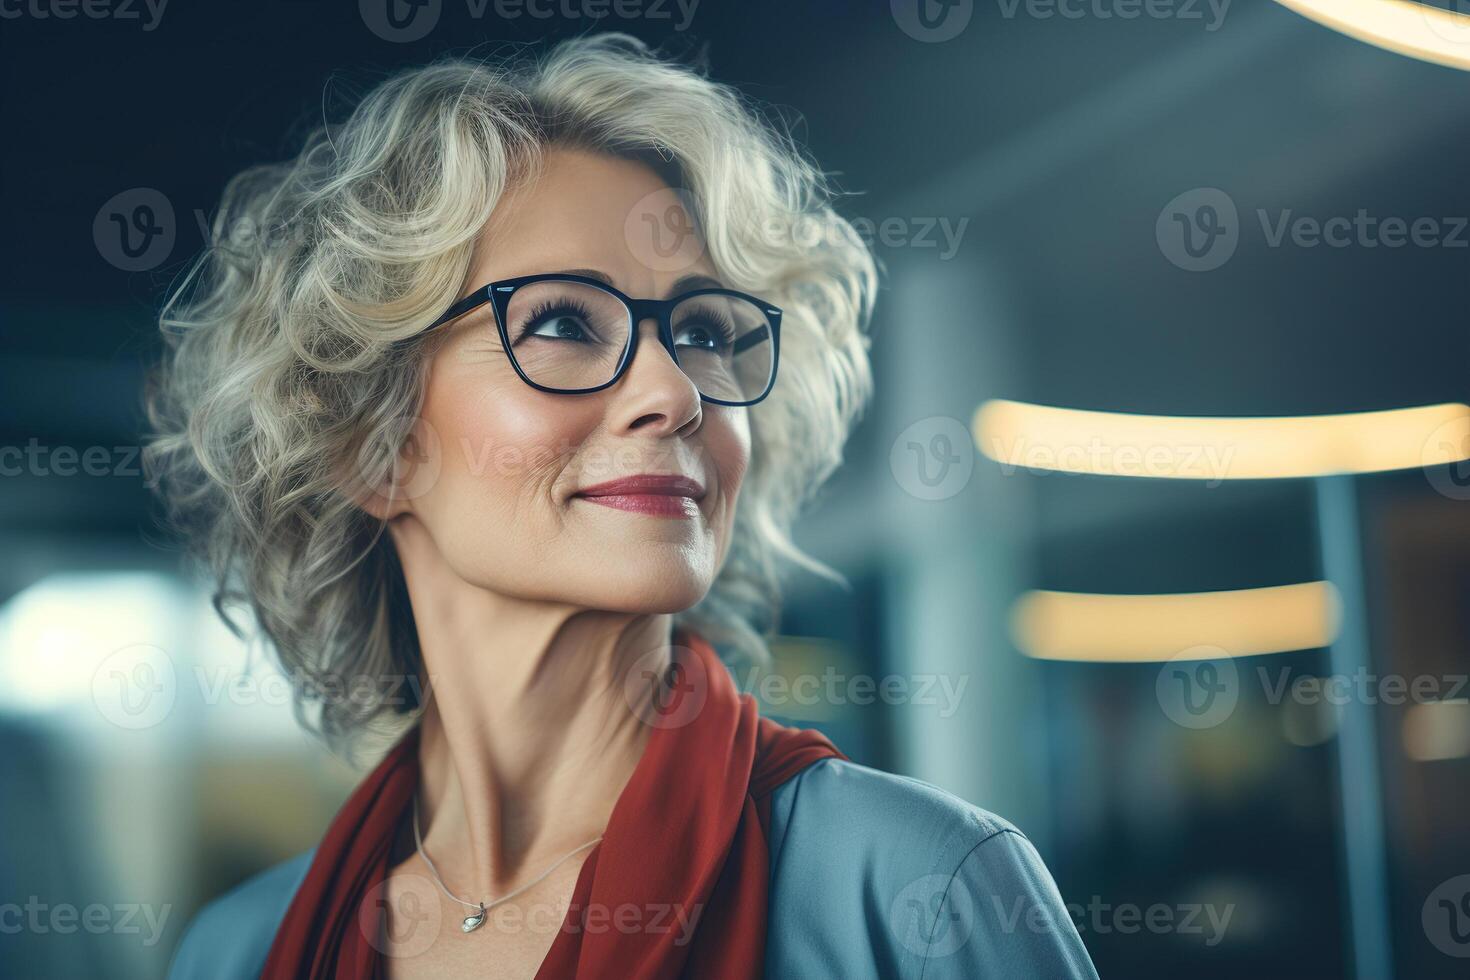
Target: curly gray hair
(293, 366)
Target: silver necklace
(476, 918)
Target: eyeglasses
(571, 334)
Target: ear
(415, 471)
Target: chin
(642, 587)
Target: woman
(527, 318)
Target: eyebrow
(682, 285)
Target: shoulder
(231, 935)
(865, 805)
(883, 874)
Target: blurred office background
(1020, 168)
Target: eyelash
(560, 307)
(723, 328)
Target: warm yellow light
(1144, 628)
(1417, 30)
(1435, 730)
(1212, 448)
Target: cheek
(728, 442)
(503, 448)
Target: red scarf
(688, 834)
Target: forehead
(591, 211)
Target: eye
(560, 320)
(707, 330)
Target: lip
(657, 494)
(650, 484)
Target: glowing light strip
(1436, 730)
(1416, 30)
(1149, 628)
(1043, 437)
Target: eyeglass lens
(571, 336)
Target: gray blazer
(872, 875)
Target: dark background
(1059, 140)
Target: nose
(655, 392)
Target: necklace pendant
(474, 920)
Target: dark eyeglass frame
(498, 294)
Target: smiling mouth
(658, 495)
(653, 504)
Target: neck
(531, 731)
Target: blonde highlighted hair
(293, 356)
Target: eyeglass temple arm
(462, 307)
(749, 340)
